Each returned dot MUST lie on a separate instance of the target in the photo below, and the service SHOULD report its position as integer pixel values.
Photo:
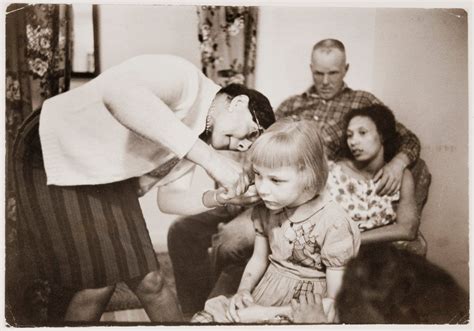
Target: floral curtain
(228, 37)
(37, 67)
(228, 43)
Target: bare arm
(197, 200)
(252, 274)
(406, 226)
(334, 281)
(262, 314)
(179, 198)
(257, 264)
(391, 175)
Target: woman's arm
(180, 198)
(140, 110)
(408, 221)
(144, 113)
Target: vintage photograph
(237, 164)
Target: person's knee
(150, 285)
(232, 243)
(175, 230)
(234, 240)
(177, 234)
(94, 296)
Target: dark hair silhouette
(384, 284)
(259, 105)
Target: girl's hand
(240, 300)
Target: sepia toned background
(415, 60)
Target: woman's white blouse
(83, 144)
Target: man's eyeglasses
(252, 136)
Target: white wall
(412, 59)
(130, 30)
(421, 71)
(287, 34)
(415, 61)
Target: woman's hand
(229, 174)
(240, 300)
(248, 198)
(226, 172)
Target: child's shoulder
(334, 214)
(260, 213)
(266, 217)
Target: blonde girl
(303, 237)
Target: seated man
(189, 239)
(326, 102)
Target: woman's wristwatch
(209, 199)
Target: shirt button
(316, 118)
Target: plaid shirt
(330, 115)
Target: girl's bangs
(274, 151)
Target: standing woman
(371, 140)
(81, 163)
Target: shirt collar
(311, 91)
(308, 209)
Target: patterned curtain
(228, 37)
(228, 42)
(37, 67)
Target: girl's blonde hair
(296, 144)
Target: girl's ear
(238, 102)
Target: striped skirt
(79, 237)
